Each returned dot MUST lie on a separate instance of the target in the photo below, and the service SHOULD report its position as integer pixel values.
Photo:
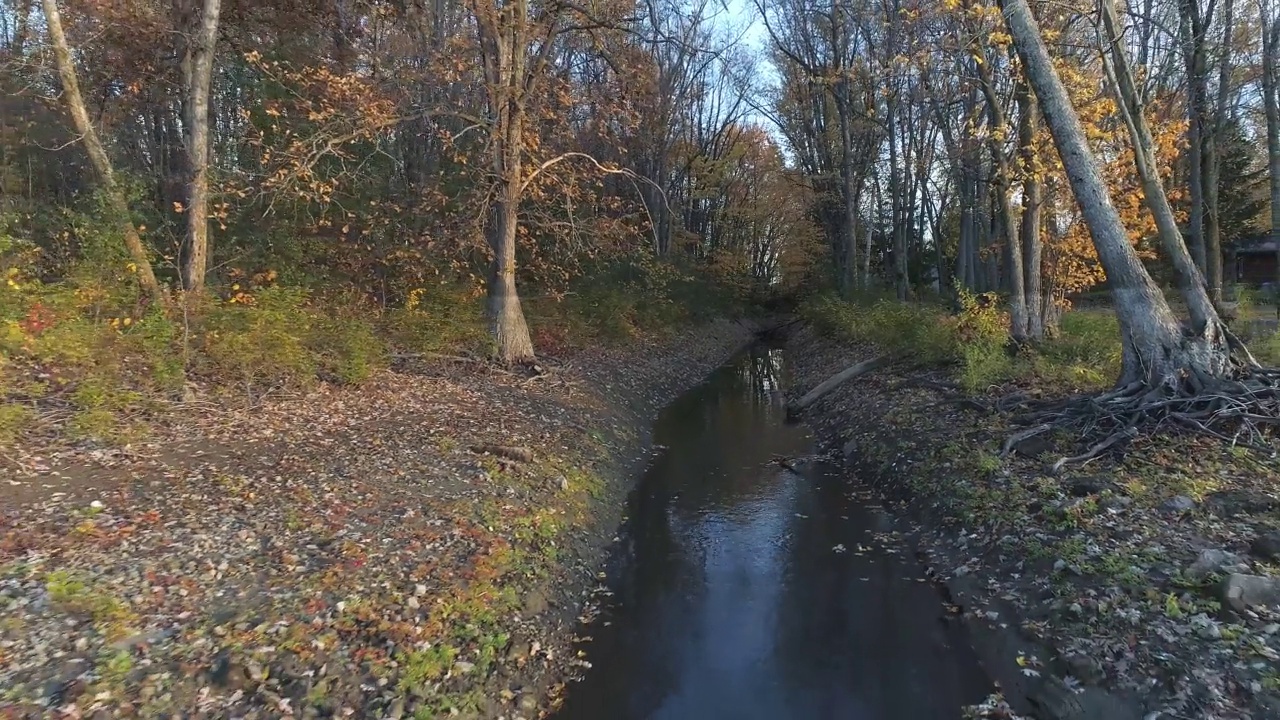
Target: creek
(741, 589)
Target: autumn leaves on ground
(349, 552)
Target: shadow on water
(742, 590)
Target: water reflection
(731, 599)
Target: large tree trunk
(1190, 282)
(197, 67)
(1157, 350)
(506, 316)
(97, 153)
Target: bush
(442, 319)
(263, 345)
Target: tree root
(1243, 411)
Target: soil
(1101, 592)
(353, 552)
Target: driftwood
(836, 380)
(510, 452)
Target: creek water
(743, 590)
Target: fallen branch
(1096, 450)
(836, 380)
(509, 452)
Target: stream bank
(355, 552)
(1097, 594)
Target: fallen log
(835, 381)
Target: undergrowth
(87, 356)
(1082, 354)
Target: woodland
(254, 195)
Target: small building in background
(1252, 261)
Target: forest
(336, 337)
(255, 194)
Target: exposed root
(1242, 411)
(1016, 438)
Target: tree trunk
(1213, 158)
(900, 280)
(1271, 99)
(1156, 350)
(1028, 124)
(198, 72)
(22, 26)
(506, 316)
(1193, 55)
(97, 154)
(1190, 281)
(996, 134)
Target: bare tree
(97, 153)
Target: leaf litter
(354, 552)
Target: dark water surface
(743, 590)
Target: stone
(1216, 561)
(518, 651)
(1034, 446)
(463, 667)
(396, 711)
(1178, 504)
(535, 602)
(1241, 592)
(1230, 503)
(528, 703)
(1206, 627)
(1086, 486)
(1267, 546)
(1085, 669)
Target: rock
(1117, 502)
(1178, 504)
(396, 711)
(1267, 546)
(528, 703)
(535, 602)
(1230, 503)
(1086, 486)
(463, 667)
(1034, 446)
(1205, 627)
(1241, 592)
(1085, 669)
(1216, 561)
(518, 651)
(413, 603)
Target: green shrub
(261, 346)
(14, 418)
(441, 319)
(347, 349)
